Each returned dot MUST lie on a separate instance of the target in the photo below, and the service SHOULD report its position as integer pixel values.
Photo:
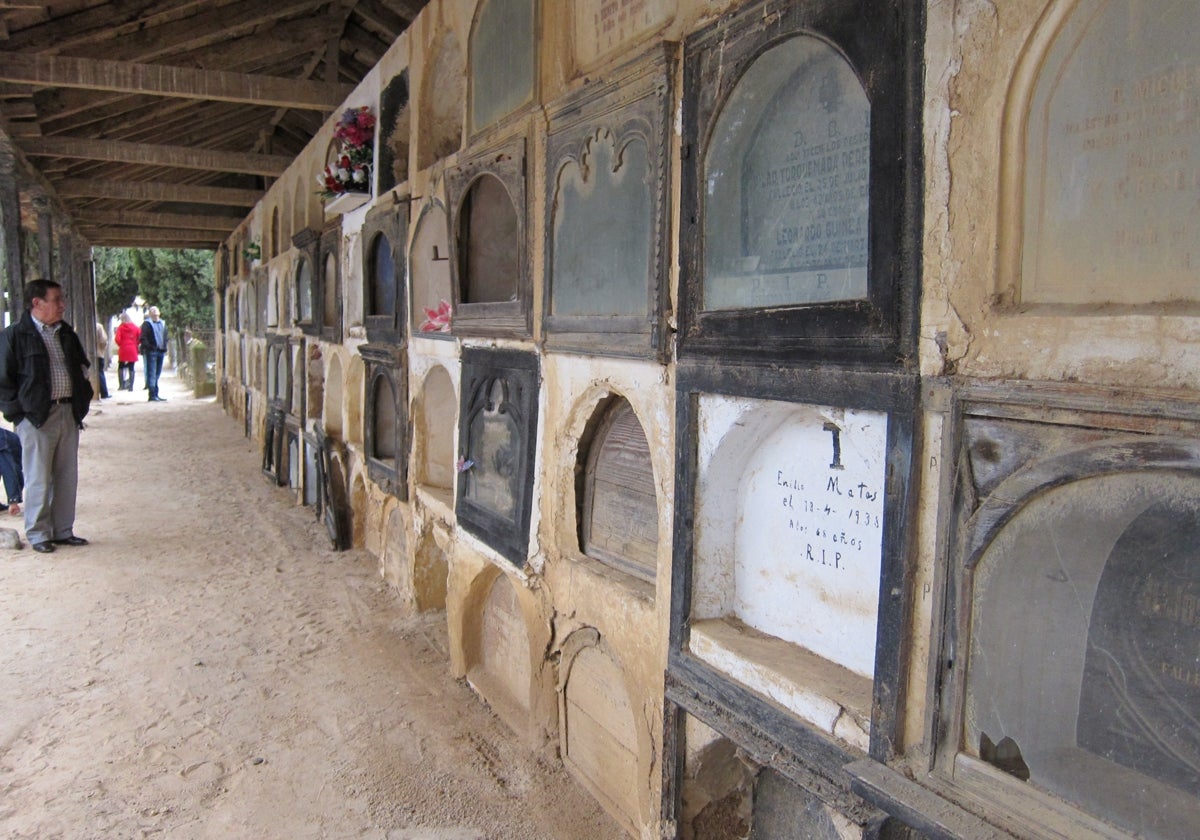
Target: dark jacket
(148, 344)
(25, 372)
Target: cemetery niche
(1079, 570)
(386, 420)
(307, 241)
(1100, 182)
(383, 274)
(606, 184)
(490, 252)
(429, 273)
(800, 215)
(329, 291)
(503, 57)
(497, 431)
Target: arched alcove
(354, 395)
(437, 419)
(489, 243)
(500, 667)
(429, 270)
(443, 94)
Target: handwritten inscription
(1114, 175)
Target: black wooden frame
(307, 241)
(632, 101)
(507, 163)
(387, 364)
(772, 736)
(390, 222)
(278, 345)
(331, 244)
(882, 40)
(520, 373)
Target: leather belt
(61, 401)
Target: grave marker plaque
(604, 26)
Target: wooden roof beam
(180, 82)
(135, 218)
(157, 191)
(146, 154)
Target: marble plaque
(786, 183)
(503, 57)
(504, 646)
(1112, 171)
(1141, 679)
(605, 26)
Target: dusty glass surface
(383, 277)
(786, 183)
(603, 231)
(1084, 670)
(502, 60)
(304, 292)
(490, 237)
(1111, 182)
(494, 449)
(383, 417)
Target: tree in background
(179, 283)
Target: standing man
(45, 393)
(154, 347)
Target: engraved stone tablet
(1140, 703)
(492, 478)
(786, 177)
(1112, 171)
(502, 60)
(605, 26)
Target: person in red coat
(127, 337)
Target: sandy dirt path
(208, 668)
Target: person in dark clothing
(10, 471)
(45, 394)
(154, 348)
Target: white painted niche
(788, 543)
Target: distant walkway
(208, 668)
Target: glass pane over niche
(304, 293)
(502, 60)
(383, 278)
(1084, 671)
(1110, 179)
(603, 225)
(489, 236)
(786, 183)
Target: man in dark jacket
(45, 393)
(154, 348)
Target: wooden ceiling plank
(157, 191)
(182, 221)
(161, 80)
(157, 155)
(381, 17)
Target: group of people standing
(148, 341)
(45, 394)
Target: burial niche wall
(383, 272)
(598, 726)
(386, 418)
(1078, 571)
(616, 493)
(503, 60)
(307, 242)
(329, 292)
(606, 194)
(496, 436)
(801, 214)
(443, 94)
(490, 248)
(1100, 181)
(429, 270)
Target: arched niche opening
(616, 495)
(381, 274)
(443, 93)
(489, 243)
(438, 420)
(500, 667)
(503, 54)
(429, 268)
(598, 726)
(274, 245)
(304, 285)
(273, 299)
(394, 126)
(331, 309)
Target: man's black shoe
(69, 541)
(43, 548)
